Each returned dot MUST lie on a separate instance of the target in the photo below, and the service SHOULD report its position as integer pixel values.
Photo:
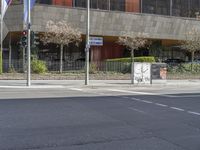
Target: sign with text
(96, 41)
(142, 73)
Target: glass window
(44, 1)
(80, 3)
(118, 5)
(181, 8)
(161, 7)
(103, 4)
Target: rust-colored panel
(62, 2)
(133, 5)
(108, 51)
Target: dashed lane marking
(145, 101)
(76, 89)
(176, 108)
(194, 113)
(162, 105)
(133, 92)
(137, 110)
(125, 97)
(136, 99)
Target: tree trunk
(23, 59)
(192, 59)
(10, 53)
(61, 58)
(132, 66)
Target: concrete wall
(5, 30)
(104, 22)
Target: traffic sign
(96, 41)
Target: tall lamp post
(29, 46)
(87, 47)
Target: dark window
(161, 7)
(118, 5)
(44, 1)
(80, 3)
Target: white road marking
(125, 97)
(76, 89)
(140, 111)
(162, 105)
(145, 101)
(33, 87)
(136, 99)
(180, 96)
(133, 92)
(176, 108)
(194, 113)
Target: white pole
(171, 7)
(87, 48)
(29, 46)
(1, 51)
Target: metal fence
(174, 71)
(54, 66)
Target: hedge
(184, 68)
(149, 59)
(123, 65)
(38, 66)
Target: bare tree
(62, 34)
(133, 42)
(191, 42)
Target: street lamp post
(87, 47)
(29, 46)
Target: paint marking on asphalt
(33, 87)
(176, 108)
(76, 89)
(125, 97)
(145, 101)
(194, 113)
(133, 92)
(162, 105)
(180, 96)
(136, 99)
(137, 110)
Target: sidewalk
(94, 83)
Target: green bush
(184, 68)
(149, 59)
(38, 66)
(11, 69)
(123, 65)
(93, 68)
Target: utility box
(159, 72)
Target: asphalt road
(106, 119)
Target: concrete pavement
(95, 83)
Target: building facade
(164, 21)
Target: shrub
(123, 65)
(149, 59)
(93, 68)
(11, 69)
(38, 66)
(184, 68)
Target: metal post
(141, 6)
(171, 8)
(29, 46)
(87, 48)
(1, 51)
(10, 52)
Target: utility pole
(87, 47)
(171, 8)
(29, 46)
